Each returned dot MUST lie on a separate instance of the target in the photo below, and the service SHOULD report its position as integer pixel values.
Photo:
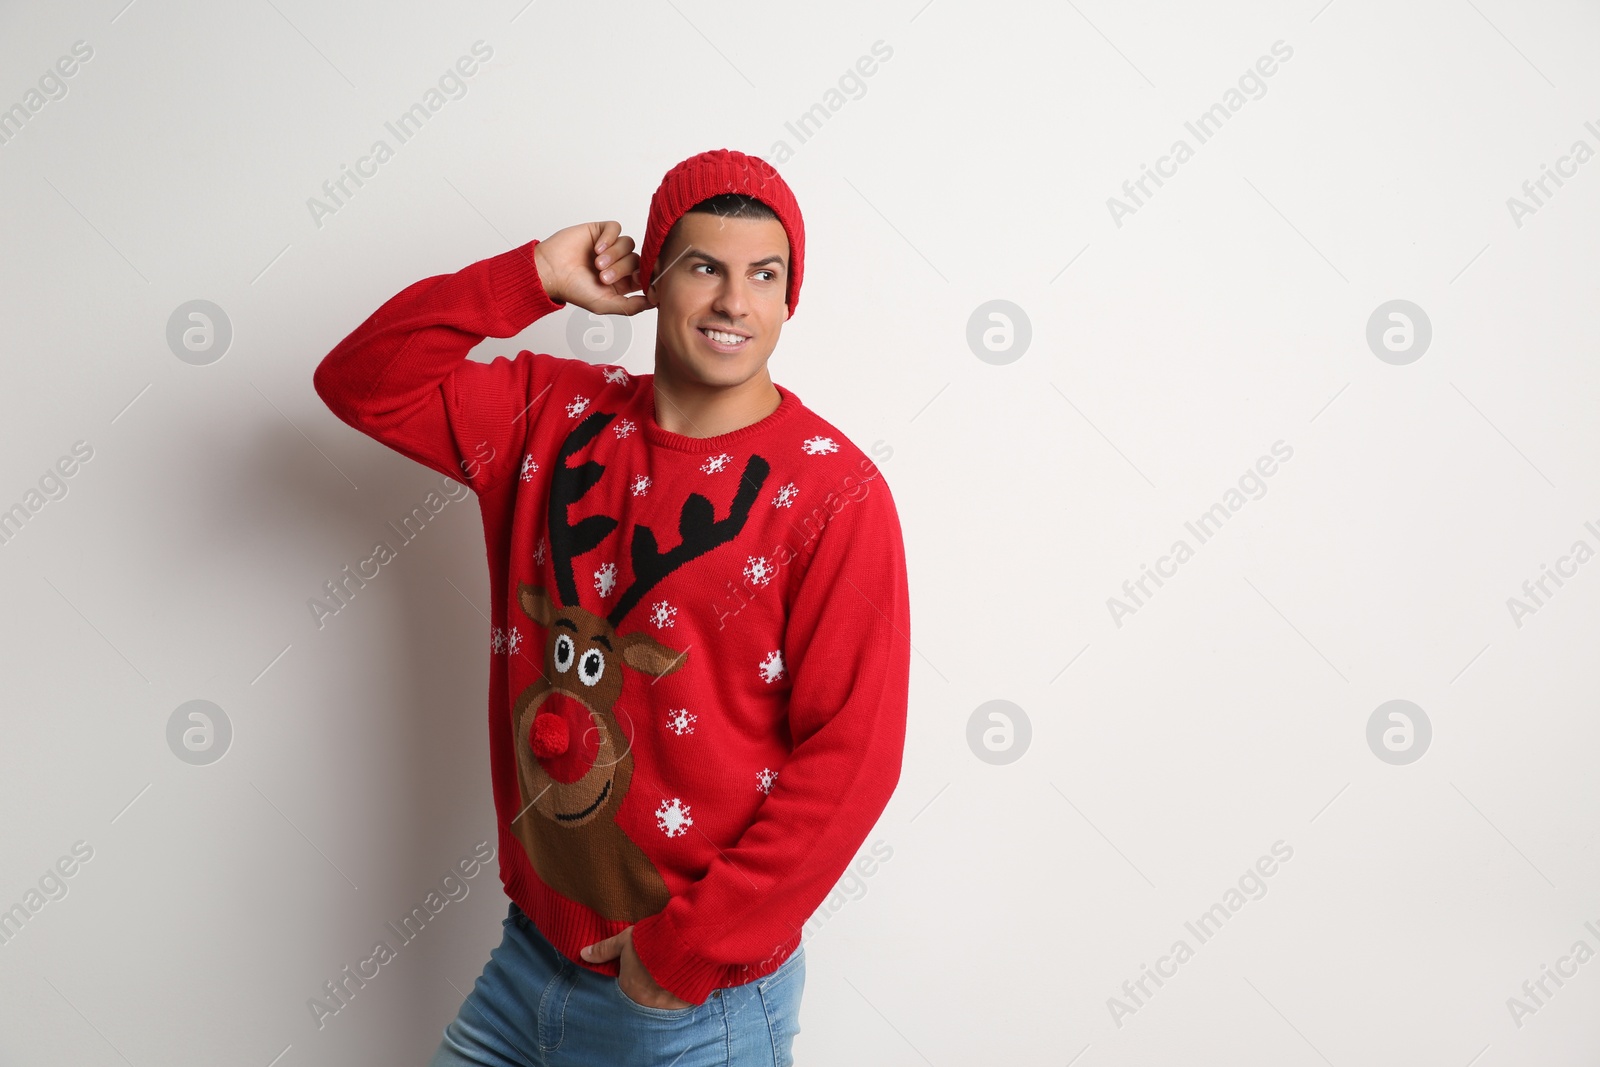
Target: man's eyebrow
(695, 253)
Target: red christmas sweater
(700, 646)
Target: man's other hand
(593, 266)
(636, 983)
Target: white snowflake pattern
(529, 465)
(764, 779)
(771, 668)
(577, 407)
(605, 578)
(504, 641)
(662, 613)
(681, 721)
(616, 376)
(758, 570)
(716, 463)
(640, 484)
(672, 817)
(785, 496)
(539, 551)
(819, 446)
(624, 428)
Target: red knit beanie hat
(711, 174)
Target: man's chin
(718, 374)
(722, 383)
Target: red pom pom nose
(548, 736)
(563, 738)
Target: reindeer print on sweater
(574, 764)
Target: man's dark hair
(735, 206)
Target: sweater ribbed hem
(787, 406)
(570, 926)
(567, 925)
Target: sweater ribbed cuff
(671, 962)
(519, 292)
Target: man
(698, 677)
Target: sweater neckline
(653, 431)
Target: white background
(1169, 353)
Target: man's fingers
(616, 247)
(608, 230)
(613, 251)
(624, 269)
(600, 950)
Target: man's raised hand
(593, 266)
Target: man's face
(728, 276)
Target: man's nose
(732, 299)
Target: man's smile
(724, 340)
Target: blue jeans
(533, 1007)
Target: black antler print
(567, 486)
(699, 531)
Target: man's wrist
(545, 275)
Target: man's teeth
(724, 338)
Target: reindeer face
(570, 748)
